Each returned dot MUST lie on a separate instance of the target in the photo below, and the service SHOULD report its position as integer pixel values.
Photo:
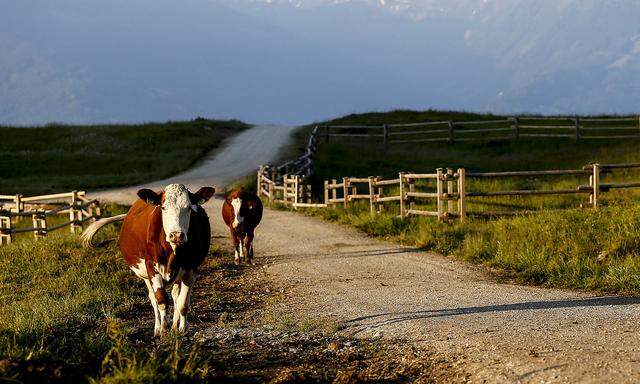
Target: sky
(299, 61)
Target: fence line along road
(511, 128)
(14, 208)
(449, 194)
(289, 183)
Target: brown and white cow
(242, 212)
(164, 239)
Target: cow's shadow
(359, 324)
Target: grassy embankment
(574, 248)
(63, 158)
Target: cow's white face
(237, 218)
(176, 214)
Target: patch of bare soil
(243, 342)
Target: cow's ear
(150, 196)
(203, 195)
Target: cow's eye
(164, 208)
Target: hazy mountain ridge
(293, 61)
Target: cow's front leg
(175, 294)
(154, 304)
(184, 300)
(161, 298)
(236, 246)
(248, 247)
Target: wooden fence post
(326, 192)
(595, 194)
(6, 230)
(296, 188)
(334, 192)
(577, 121)
(516, 127)
(345, 190)
(385, 129)
(372, 192)
(462, 194)
(451, 127)
(272, 191)
(449, 191)
(285, 189)
(39, 220)
(326, 133)
(439, 192)
(75, 214)
(19, 207)
(412, 188)
(402, 195)
(380, 194)
(259, 181)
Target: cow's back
(135, 233)
(227, 212)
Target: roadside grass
(561, 245)
(248, 182)
(71, 314)
(580, 249)
(58, 158)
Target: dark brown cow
(164, 239)
(242, 212)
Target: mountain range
(295, 61)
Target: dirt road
(237, 157)
(492, 331)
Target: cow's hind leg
(175, 294)
(154, 304)
(184, 300)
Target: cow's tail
(90, 232)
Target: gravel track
(494, 332)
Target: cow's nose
(177, 237)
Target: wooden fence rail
(511, 128)
(75, 204)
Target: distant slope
(64, 158)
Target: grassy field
(64, 158)
(574, 247)
(71, 314)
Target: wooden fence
(288, 183)
(14, 208)
(448, 192)
(511, 128)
